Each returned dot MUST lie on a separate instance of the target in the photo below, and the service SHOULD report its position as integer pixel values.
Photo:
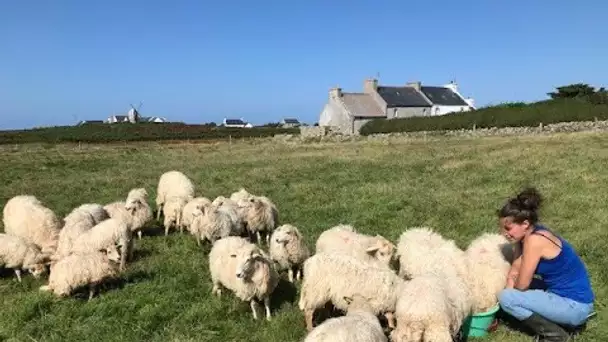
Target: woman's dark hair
(523, 206)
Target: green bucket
(477, 325)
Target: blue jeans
(560, 310)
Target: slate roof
(291, 121)
(443, 96)
(234, 122)
(402, 97)
(361, 105)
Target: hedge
(120, 132)
(507, 115)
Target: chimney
(416, 85)
(335, 93)
(370, 85)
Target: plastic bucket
(477, 325)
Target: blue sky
(199, 61)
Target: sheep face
(286, 233)
(37, 270)
(246, 264)
(111, 253)
(382, 250)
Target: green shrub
(505, 115)
(105, 133)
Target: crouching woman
(568, 298)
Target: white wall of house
(437, 110)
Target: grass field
(453, 185)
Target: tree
(575, 90)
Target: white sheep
(331, 277)
(288, 249)
(215, 222)
(242, 194)
(113, 231)
(359, 325)
(172, 183)
(188, 212)
(245, 269)
(134, 211)
(234, 210)
(423, 252)
(345, 239)
(86, 269)
(96, 210)
(489, 259)
(76, 222)
(16, 253)
(172, 210)
(423, 311)
(260, 215)
(25, 216)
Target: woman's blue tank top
(566, 274)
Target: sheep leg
(254, 308)
(166, 230)
(18, 274)
(299, 274)
(390, 317)
(308, 313)
(267, 238)
(290, 274)
(91, 291)
(139, 234)
(216, 290)
(159, 208)
(267, 307)
(259, 237)
(124, 253)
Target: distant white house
(155, 119)
(290, 122)
(236, 123)
(446, 102)
(117, 119)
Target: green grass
(505, 115)
(454, 185)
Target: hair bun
(530, 199)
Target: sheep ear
(348, 300)
(233, 255)
(372, 249)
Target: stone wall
(325, 134)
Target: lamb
(423, 252)
(188, 212)
(288, 249)
(359, 325)
(344, 239)
(331, 277)
(113, 231)
(87, 269)
(172, 210)
(172, 183)
(245, 269)
(423, 311)
(134, 211)
(260, 216)
(489, 259)
(18, 254)
(26, 217)
(76, 222)
(215, 222)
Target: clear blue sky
(199, 61)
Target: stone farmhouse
(346, 112)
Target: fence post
(540, 126)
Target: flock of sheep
(425, 285)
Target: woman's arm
(515, 266)
(530, 257)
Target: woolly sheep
(134, 211)
(260, 215)
(25, 216)
(245, 269)
(424, 252)
(172, 210)
(87, 269)
(331, 277)
(18, 254)
(96, 210)
(215, 222)
(188, 211)
(172, 183)
(359, 325)
(489, 259)
(233, 209)
(423, 311)
(113, 231)
(76, 222)
(344, 239)
(288, 249)
(242, 194)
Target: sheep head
(357, 302)
(111, 253)
(286, 233)
(246, 262)
(382, 249)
